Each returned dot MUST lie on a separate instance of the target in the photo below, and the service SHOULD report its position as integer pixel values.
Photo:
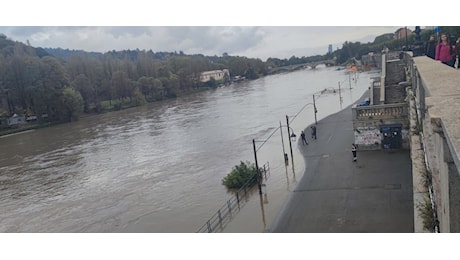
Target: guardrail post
(220, 218)
(229, 207)
(209, 226)
(238, 199)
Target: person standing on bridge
(353, 151)
(444, 51)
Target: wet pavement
(338, 195)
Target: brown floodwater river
(159, 168)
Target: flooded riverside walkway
(159, 168)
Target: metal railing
(224, 215)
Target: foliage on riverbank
(240, 175)
(62, 84)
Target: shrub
(426, 212)
(240, 175)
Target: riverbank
(116, 106)
(24, 128)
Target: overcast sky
(201, 27)
(254, 42)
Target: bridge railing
(300, 66)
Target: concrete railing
(436, 90)
(388, 111)
(393, 55)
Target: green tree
(53, 80)
(72, 104)
(241, 174)
(83, 85)
(138, 97)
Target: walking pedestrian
(304, 139)
(313, 132)
(353, 150)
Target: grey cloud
(22, 31)
(261, 42)
(208, 40)
(129, 31)
(226, 39)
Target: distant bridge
(311, 65)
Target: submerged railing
(218, 221)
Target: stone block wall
(368, 120)
(395, 72)
(438, 106)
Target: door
(391, 137)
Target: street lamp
(292, 137)
(314, 109)
(259, 184)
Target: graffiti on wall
(367, 136)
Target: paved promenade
(337, 195)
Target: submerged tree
(240, 175)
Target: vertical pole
(349, 78)
(340, 96)
(289, 136)
(405, 32)
(282, 142)
(314, 109)
(209, 226)
(382, 79)
(257, 167)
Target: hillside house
(216, 74)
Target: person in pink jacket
(444, 51)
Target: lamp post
(259, 184)
(405, 32)
(340, 96)
(282, 144)
(314, 109)
(290, 136)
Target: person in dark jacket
(304, 138)
(353, 151)
(431, 47)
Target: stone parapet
(437, 88)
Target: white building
(216, 74)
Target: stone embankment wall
(437, 101)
